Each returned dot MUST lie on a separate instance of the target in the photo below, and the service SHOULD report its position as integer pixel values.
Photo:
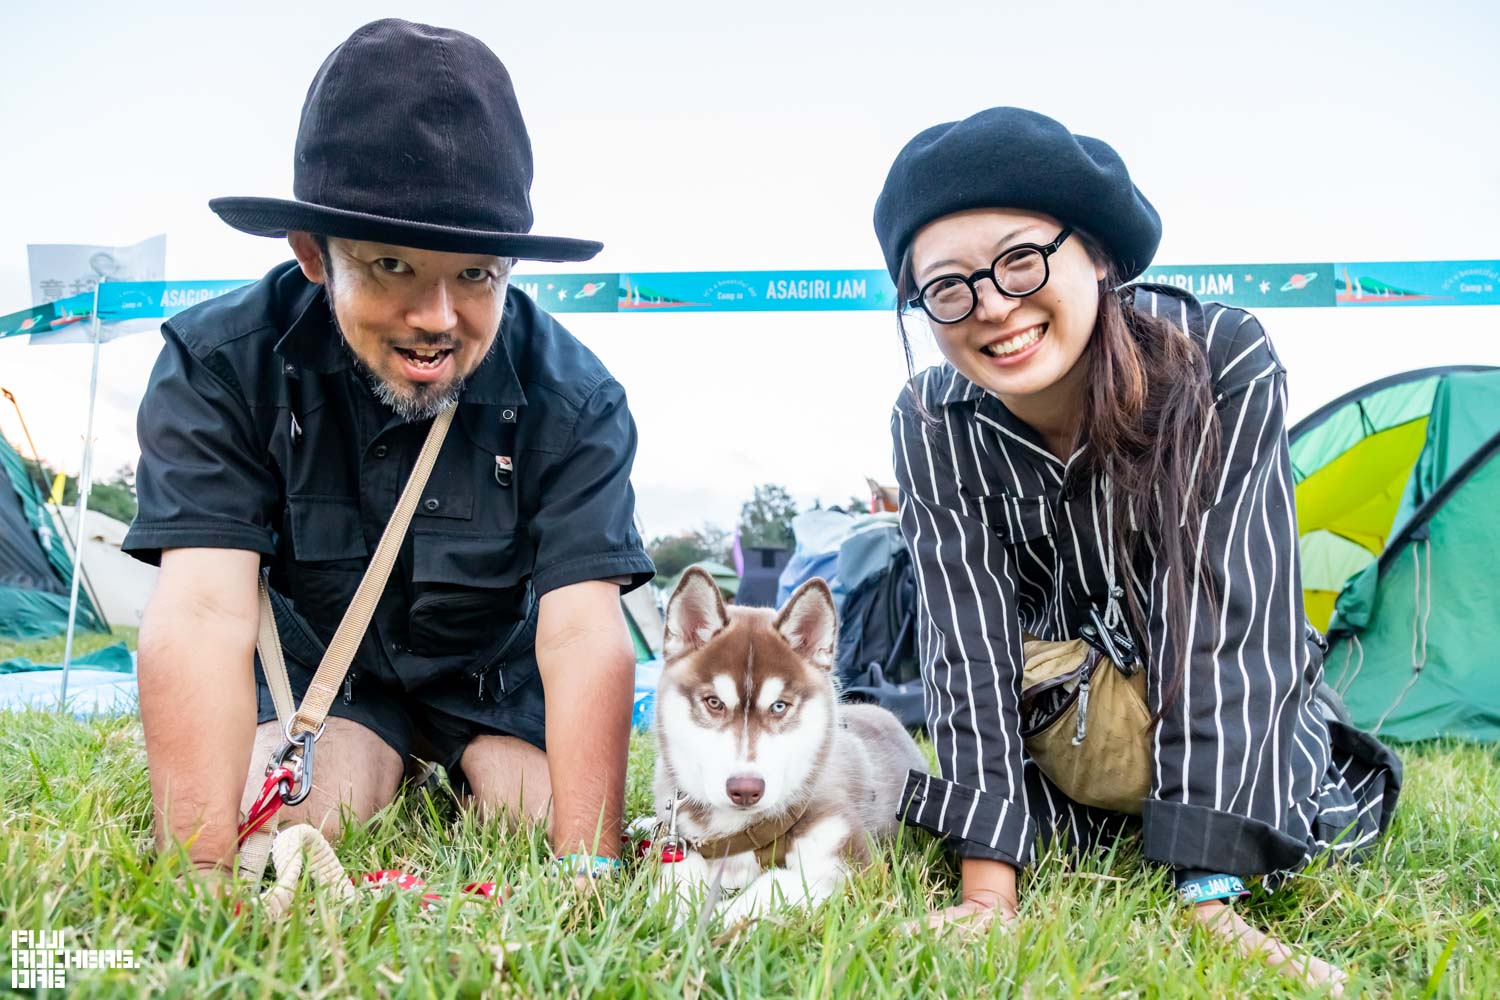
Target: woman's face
(1014, 347)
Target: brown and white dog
(774, 784)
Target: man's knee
(353, 768)
(507, 776)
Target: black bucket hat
(1014, 158)
(411, 136)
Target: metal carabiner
(673, 845)
(1113, 643)
(302, 769)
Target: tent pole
(85, 483)
(45, 491)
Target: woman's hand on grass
(1222, 921)
(979, 908)
(989, 894)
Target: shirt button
(431, 503)
(508, 415)
(380, 451)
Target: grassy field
(51, 650)
(1420, 918)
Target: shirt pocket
(469, 589)
(1016, 520)
(328, 560)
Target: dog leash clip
(673, 847)
(504, 470)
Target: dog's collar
(768, 838)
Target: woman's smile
(1014, 348)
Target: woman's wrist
(1198, 886)
(989, 882)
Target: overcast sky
(702, 136)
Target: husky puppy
(775, 786)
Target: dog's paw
(682, 884)
(777, 890)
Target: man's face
(418, 321)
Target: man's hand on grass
(214, 881)
(1222, 921)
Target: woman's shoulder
(931, 391)
(1238, 349)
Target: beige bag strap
(308, 718)
(268, 645)
(340, 654)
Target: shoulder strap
(340, 653)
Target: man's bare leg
(508, 777)
(352, 766)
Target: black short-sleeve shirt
(257, 432)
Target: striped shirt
(1249, 777)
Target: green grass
(51, 650)
(1419, 918)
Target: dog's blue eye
(714, 703)
(779, 707)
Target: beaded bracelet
(1211, 887)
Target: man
(281, 422)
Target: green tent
(727, 579)
(1396, 485)
(35, 571)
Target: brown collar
(768, 839)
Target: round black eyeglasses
(1016, 272)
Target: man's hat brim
(278, 216)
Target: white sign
(61, 270)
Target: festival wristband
(586, 865)
(1211, 887)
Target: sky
(702, 136)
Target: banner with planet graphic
(570, 292)
(1250, 286)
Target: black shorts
(436, 721)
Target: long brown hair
(1151, 426)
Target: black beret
(1014, 158)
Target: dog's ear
(810, 623)
(695, 613)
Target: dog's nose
(745, 790)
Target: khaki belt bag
(1085, 723)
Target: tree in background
(675, 553)
(766, 520)
(114, 497)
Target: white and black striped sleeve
(969, 644)
(1233, 736)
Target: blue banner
(49, 317)
(120, 301)
(1419, 283)
(124, 304)
(755, 291)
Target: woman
(1091, 447)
